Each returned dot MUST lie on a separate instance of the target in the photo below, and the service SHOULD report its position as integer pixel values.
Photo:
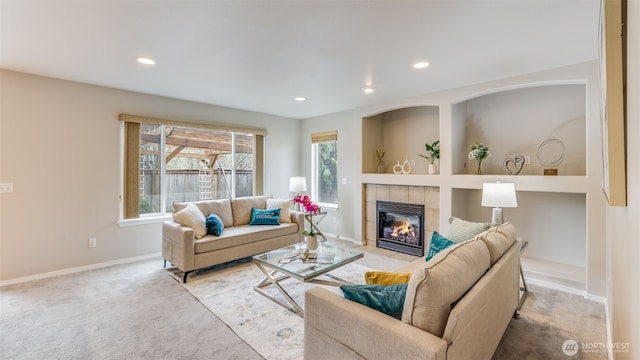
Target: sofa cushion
(214, 225)
(498, 240)
(241, 208)
(265, 217)
(462, 230)
(437, 244)
(285, 208)
(441, 282)
(192, 217)
(388, 299)
(386, 278)
(221, 207)
(245, 234)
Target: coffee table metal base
(272, 278)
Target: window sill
(330, 207)
(144, 220)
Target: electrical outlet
(413, 163)
(527, 160)
(344, 181)
(92, 242)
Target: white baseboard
(342, 238)
(567, 289)
(609, 329)
(77, 269)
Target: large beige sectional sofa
(457, 306)
(182, 247)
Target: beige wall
(59, 146)
(623, 227)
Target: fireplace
(400, 227)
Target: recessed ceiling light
(301, 98)
(368, 89)
(146, 61)
(420, 65)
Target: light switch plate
(6, 187)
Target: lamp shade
(499, 194)
(297, 184)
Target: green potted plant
(434, 154)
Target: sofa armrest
(341, 328)
(178, 245)
(298, 218)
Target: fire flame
(401, 228)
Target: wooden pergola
(202, 144)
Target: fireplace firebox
(400, 227)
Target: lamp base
(496, 216)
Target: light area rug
(272, 330)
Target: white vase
(433, 169)
(312, 242)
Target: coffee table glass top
(290, 260)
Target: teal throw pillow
(214, 225)
(437, 244)
(265, 217)
(388, 299)
(462, 230)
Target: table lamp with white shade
(498, 195)
(297, 184)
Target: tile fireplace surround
(422, 195)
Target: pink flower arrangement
(307, 204)
(309, 207)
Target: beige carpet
(272, 330)
(549, 318)
(126, 312)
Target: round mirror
(551, 153)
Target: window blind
(325, 136)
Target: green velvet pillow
(265, 217)
(462, 230)
(437, 244)
(387, 299)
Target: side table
(309, 217)
(523, 286)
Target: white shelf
(552, 184)
(406, 179)
(565, 275)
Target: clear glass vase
(380, 167)
(479, 166)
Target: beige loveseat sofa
(457, 306)
(188, 252)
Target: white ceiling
(260, 55)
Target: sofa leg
(516, 315)
(165, 264)
(184, 277)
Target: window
(324, 171)
(168, 161)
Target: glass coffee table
(295, 262)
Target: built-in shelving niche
(554, 224)
(552, 210)
(403, 134)
(516, 122)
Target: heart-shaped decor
(513, 166)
